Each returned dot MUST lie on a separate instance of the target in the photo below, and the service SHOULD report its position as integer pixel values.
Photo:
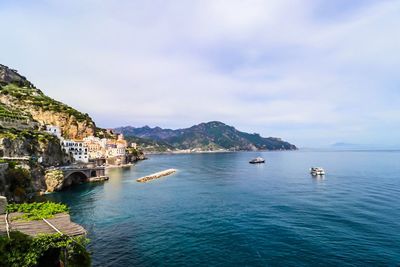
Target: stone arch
(93, 173)
(74, 178)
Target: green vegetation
(6, 113)
(11, 76)
(8, 133)
(31, 135)
(24, 251)
(147, 145)
(38, 99)
(37, 210)
(103, 133)
(204, 136)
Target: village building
(54, 130)
(77, 149)
(113, 150)
(92, 148)
(96, 147)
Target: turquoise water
(219, 210)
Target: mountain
(208, 136)
(20, 100)
(150, 145)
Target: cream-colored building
(96, 147)
(106, 148)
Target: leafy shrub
(24, 251)
(37, 210)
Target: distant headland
(212, 136)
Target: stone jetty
(156, 175)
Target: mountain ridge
(207, 136)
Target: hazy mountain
(352, 146)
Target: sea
(219, 210)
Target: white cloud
(272, 66)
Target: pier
(60, 223)
(156, 175)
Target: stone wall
(3, 184)
(3, 204)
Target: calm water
(218, 210)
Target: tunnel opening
(74, 178)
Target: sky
(312, 72)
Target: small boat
(257, 160)
(315, 171)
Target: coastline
(187, 152)
(128, 165)
(214, 151)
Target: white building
(54, 130)
(77, 149)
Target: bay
(219, 210)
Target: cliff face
(27, 150)
(32, 151)
(39, 147)
(69, 125)
(19, 98)
(8, 75)
(72, 126)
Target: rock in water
(54, 180)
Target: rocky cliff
(20, 99)
(31, 151)
(8, 76)
(28, 151)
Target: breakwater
(156, 175)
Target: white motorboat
(257, 160)
(315, 171)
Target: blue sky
(312, 72)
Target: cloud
(309, 71)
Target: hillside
(24, 110)
(209, 136)
(150, 145)
(20, 100)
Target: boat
(257, 160)
(315, 171)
